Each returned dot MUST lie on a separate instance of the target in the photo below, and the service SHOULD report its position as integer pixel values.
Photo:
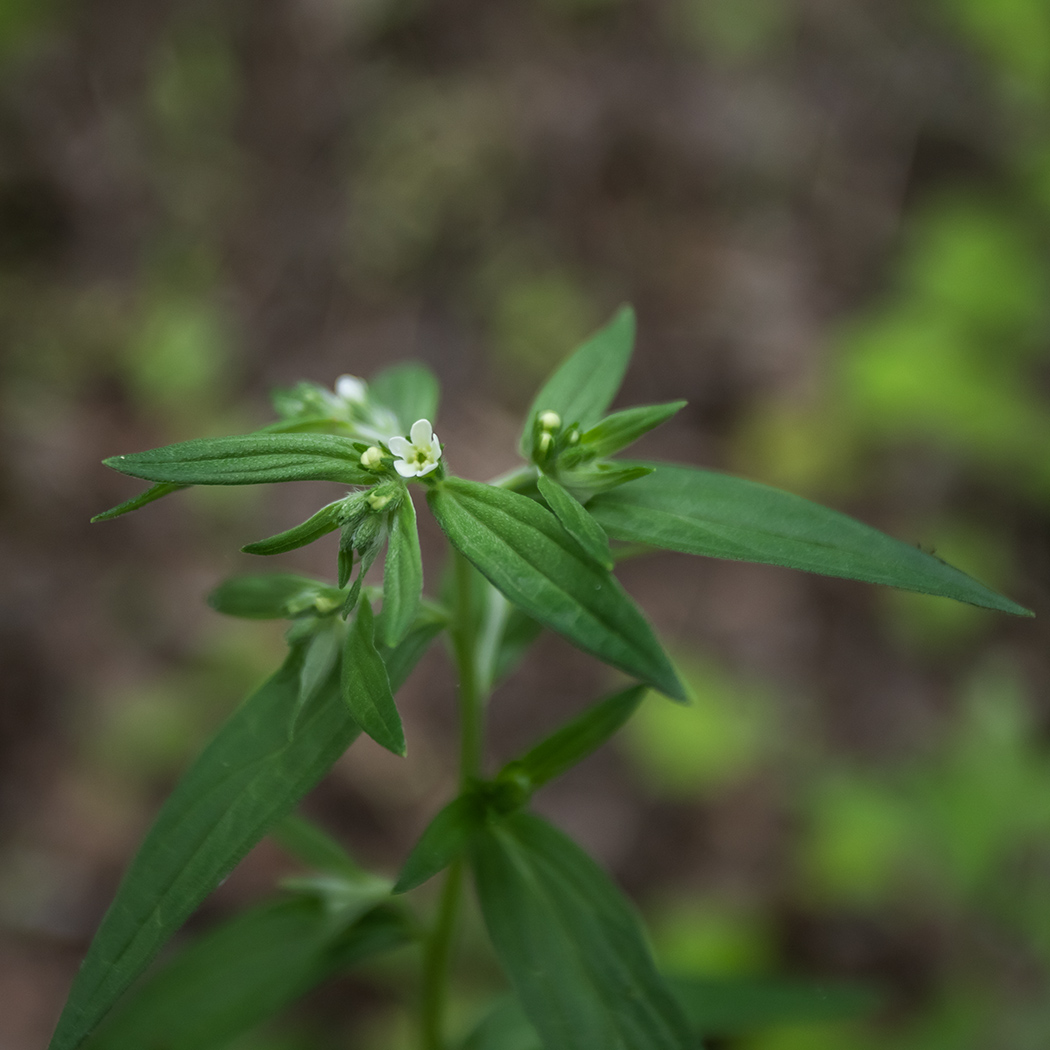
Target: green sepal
(326, 520)
(576, 521)
(154, 492)
(249, 459)
(702, 512)
(366, 686)
(446, 837)
(246, 970)
(274, 596)
(402, 575)
(251, 774)
(571, 944)
(573, 742)
(525, 553)
(617, 431)
(410, 390)
(583, 386)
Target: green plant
(529, 550)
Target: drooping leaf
(366, 685)
(576, 521)
(583, 386)
(320, 653)
(703, 512)
(402, 575)
(410, 390)
(154, 492)
(726, 1006)
(326, 520)
(273, 596)
(524, 552)
(445, 838)
(250, 775)
(247, 970)
(621, 429)
(249, 459)
(573, 742)
(571, 944)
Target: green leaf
(313, 846)
(621, 429)
(249, 776)
(574, 741)
(702, 512)
(429, 623)
(590, 479)
(504, 1027)
(525, 553)
(519, 632)
(249, 459)
(273, 596)
(326, 520)
(729, 1006)
(320, 653)
(154, 492)
(247, 970)
(571, 944)
(583, 386)
(402, 575)
(409, 390)
(444, 839)
(366, 686)
(576, 521)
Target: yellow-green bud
(550, 420)
(545, 442)
(378, 502)
(371, 457)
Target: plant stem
(473, 689)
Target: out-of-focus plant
(533, 549)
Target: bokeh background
(832, 217)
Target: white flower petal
(400, 446)
(407, 470)
(421, 433)
(426, 470)
(435, 448)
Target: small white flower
(420, 455)
(351, 389)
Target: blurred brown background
(832, 219)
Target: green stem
(437, 952)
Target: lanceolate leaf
(444, 839)
(621, 429)
(527, 555)
(409, 390)
(571, 944)
(154, 492)
(249, 776)
(402, 575)
(365, 685)
(326, 520)
(574, 741)
(429, 623)
(576, 521)
(236, 976)
(583, 386)
(703, 512)
(249, 459)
